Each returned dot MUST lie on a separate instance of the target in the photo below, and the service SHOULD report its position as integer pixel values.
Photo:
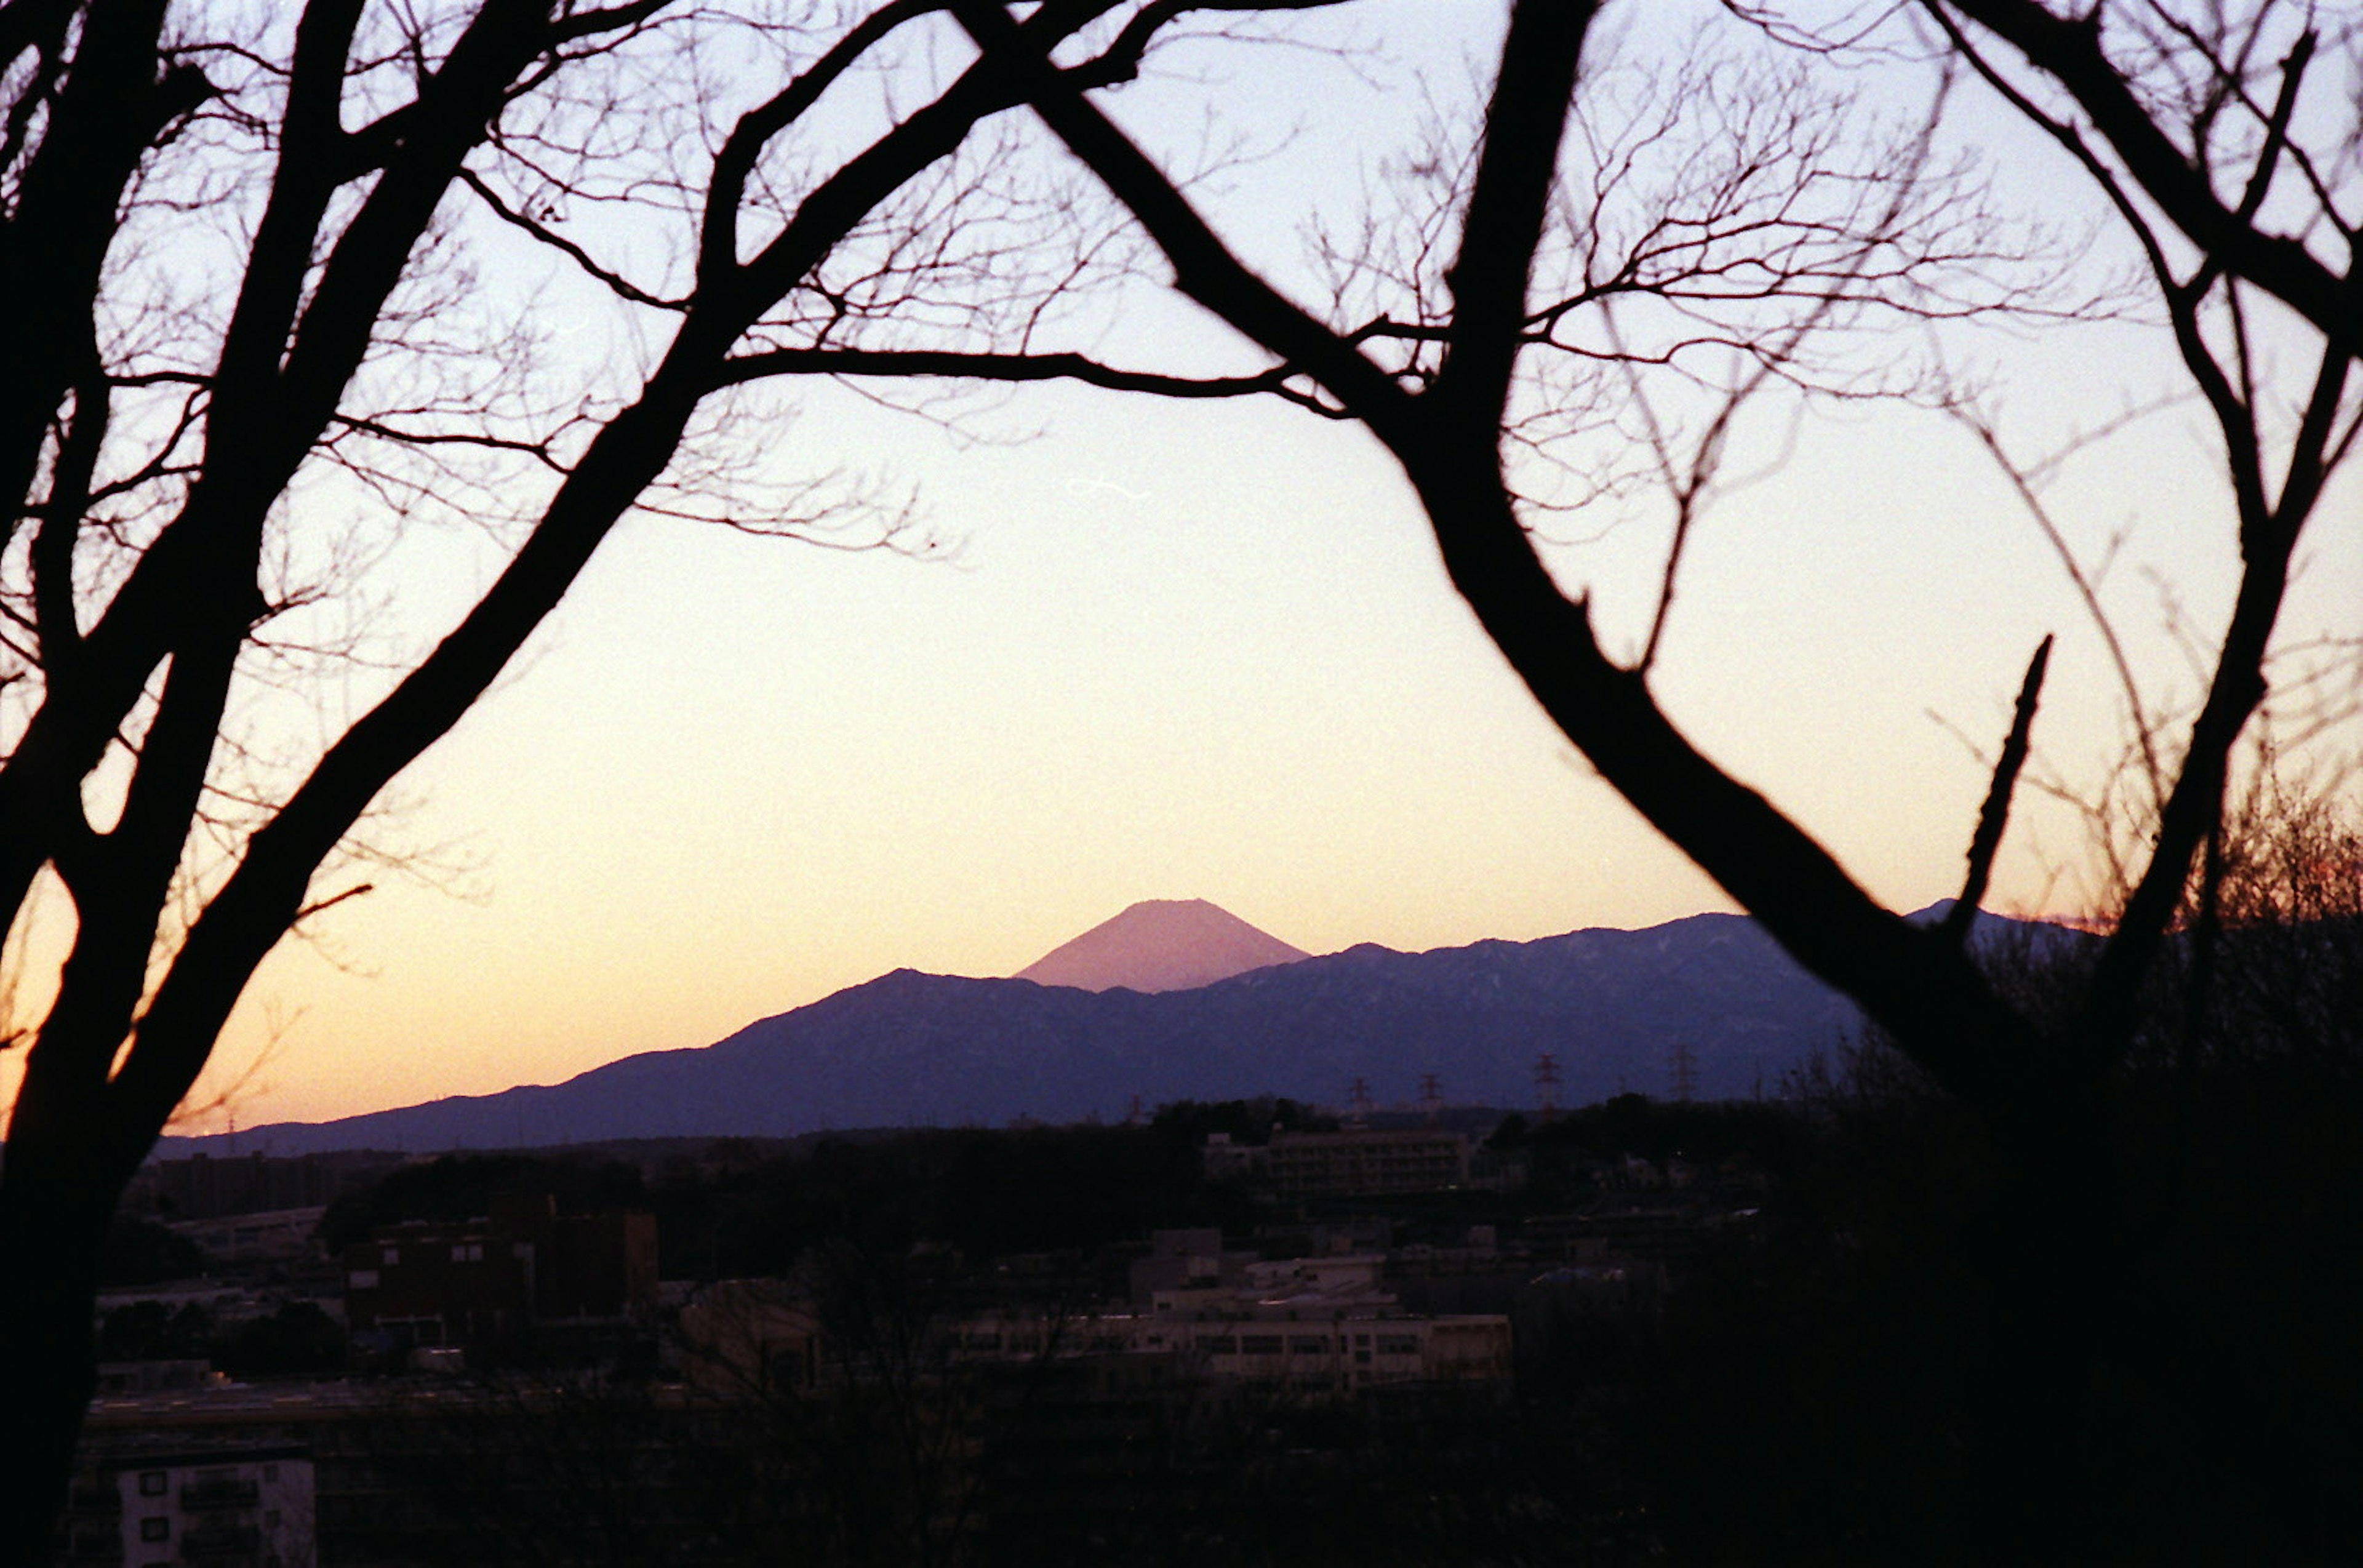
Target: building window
(1260, 1344)
(361, 1279)
(467, 1251)
(393, 1256)
(154, 1483)
(156, 1530)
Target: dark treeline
(735, 1211)
(1811, 1385)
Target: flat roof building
(1365, 1164)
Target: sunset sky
(1207, 651)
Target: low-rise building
(1185, 1258)
(492, 1280)
(757, 1339)
(1317, 1328)
(1365, 1163)
(273, 1236)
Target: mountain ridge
(912, 1048)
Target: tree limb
(2068, 50)
(904, 364)
(622, 287)
(1987, 840)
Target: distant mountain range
(913, 1050)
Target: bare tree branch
(902, 364)
(1995, 814)
(2068, 50)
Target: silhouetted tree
(461, 1186)
(2186, 123)
(149, 1331)
(140, 1251)
(1243, 1121)
(1823, 1382)
(248, 355)
(297, 1339)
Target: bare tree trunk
(53, 1219)
(2048, 1246)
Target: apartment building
(229, 1507)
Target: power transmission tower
(1431, 1097)
(1684, 1064)
(1357, 1101)
(1546, 1083)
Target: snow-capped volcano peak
(1162, 944)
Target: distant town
(1052, 1341)
(362, 1358)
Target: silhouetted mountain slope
(912, 1048)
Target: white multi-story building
(233, 1507)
